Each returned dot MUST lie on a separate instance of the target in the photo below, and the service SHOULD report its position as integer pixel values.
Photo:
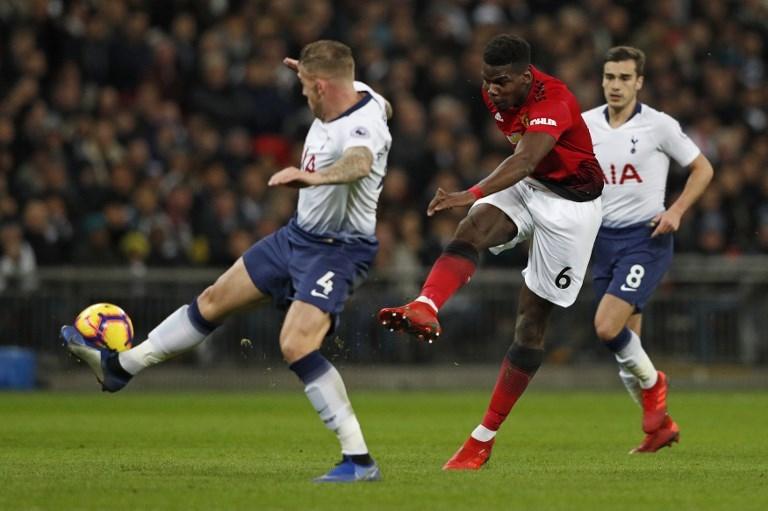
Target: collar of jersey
(638, 109)
(357, 106)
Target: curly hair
(508, 49)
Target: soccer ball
(104, 325)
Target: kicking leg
(190, 324)
(485, 226)
(520, 364)
(185, 328)
(302, 334)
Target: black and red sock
(450, 272)
(518, 368)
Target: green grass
(259, 451)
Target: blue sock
(619, 342)
(198, 321)
(310, 367)
(325, 389)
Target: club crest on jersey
(634, 141)
(514, 138)
(524, 119)
(360, 132)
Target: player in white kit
(633, 144)
(309, 266)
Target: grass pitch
(260, 451)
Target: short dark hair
(508, 49)
(329, 58)
(621, 53)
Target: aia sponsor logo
(628, 173)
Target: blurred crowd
(142, 133)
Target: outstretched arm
(701, 175)
(531, 149)
(355, 163)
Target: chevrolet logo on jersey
(543, 120)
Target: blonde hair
(329, 59)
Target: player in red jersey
(547, 192)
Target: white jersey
(345, 210)
(635, 161)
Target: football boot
(104, 363)
(347, 471)
(665, 436)
(415, 318)
(471, 456)
(654, 403)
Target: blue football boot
(347, 471)
(104, 363)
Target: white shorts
(561, 231)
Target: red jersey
(570, 169)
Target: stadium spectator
(100, 99)
(18, 268)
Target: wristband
(477, 192)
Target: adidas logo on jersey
(498, 117)
(542, 120)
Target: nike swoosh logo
(624, 287)
(318, 294)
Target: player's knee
(606, 329)
(295, 347)
(468, 231)
(297, 341)
(292, 351)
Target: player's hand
(666, 222)
(444, 200)
(291, 64)
(291, 176)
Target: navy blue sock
(310, 367)
(113, 365)
(200, 323)
(362, 459)
(619, 342)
